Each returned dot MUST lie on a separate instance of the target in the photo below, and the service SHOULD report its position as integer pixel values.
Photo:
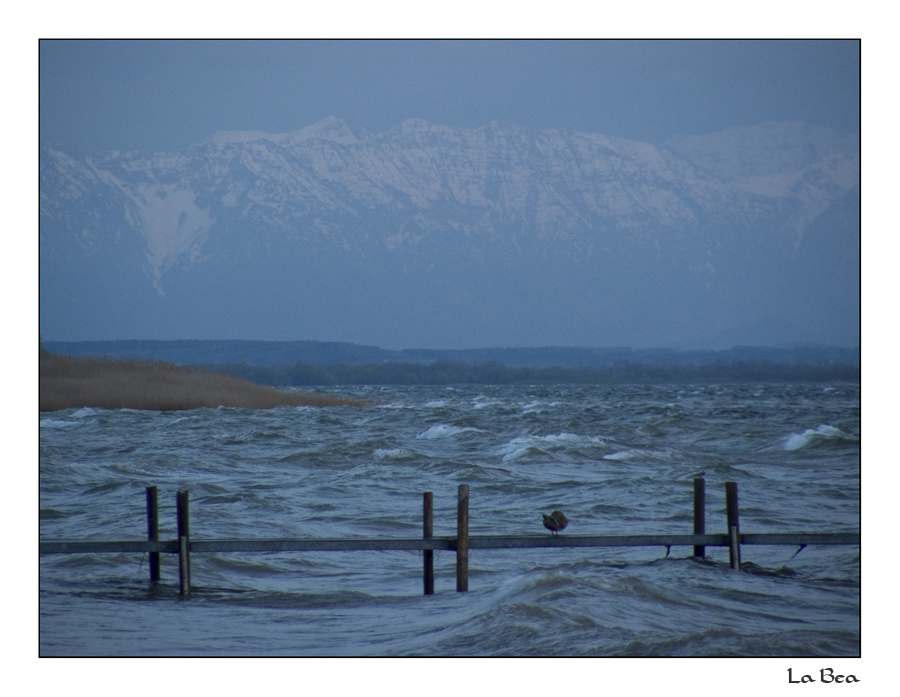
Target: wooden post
(184, 544)
(734, 526)
(462, 540)
(428, 533)
(153, 531)
(699, 513)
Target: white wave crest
(522, 445)
(623, 455)
(643, 456)
(796, 441)
(481, 403)
(515, 448)
(538, 407)
(444, 431)
(392, 454)
(57, 423)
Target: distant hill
(280, 353)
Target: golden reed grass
(69, 382)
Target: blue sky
(165, 95)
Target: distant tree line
(449, 372)
(278, 353)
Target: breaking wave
(810, 436)
(445, 431)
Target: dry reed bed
(68, 382)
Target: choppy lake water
(617, 460)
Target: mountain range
(433, 236)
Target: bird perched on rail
(555, 522)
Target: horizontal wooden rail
(461, 543)
(814, 538)
(514, 541)
(441, 543)
(107, 546)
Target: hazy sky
(165, 95)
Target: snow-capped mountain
(427, 235)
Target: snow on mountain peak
(333, 129)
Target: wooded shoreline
(67, 382)
(447, 372)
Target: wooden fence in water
(184, 545)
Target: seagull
(555, 522)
